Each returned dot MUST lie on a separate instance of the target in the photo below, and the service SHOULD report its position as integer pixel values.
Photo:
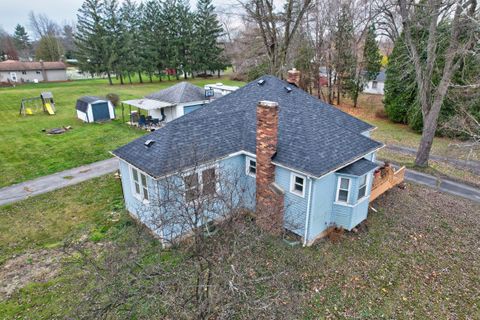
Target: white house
(32, 71)
(217, 90)
(377, 85)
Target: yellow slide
(49, 108)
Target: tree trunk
(140, 76)
(428, 133)
(185, 75)
(339, 89)
(109, 78)
(129, 78)
(121, 78)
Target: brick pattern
(269, 204)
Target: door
(13, 76)
(100, 111)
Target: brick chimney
(293, 77)
(269, 197)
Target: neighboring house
(377, 85)
(171, 103)
(306, 165)
(25, 71)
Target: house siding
(141, 211)
(31, 75)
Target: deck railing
(385, 179)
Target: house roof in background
(359, 167)
(179, 93)
(313, 137)
(13, 65)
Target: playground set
(44, 102)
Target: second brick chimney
(293, 77)
(269, 197)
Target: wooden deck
(386, 179)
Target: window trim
(293, 176)
(247, 166)
(139, 196)
(374, 84)
(338, 201)
(360, 186)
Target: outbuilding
(94, 109)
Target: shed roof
(13, 65)
(83, 102)
(359, 167)
(313, 137)
(179, 93)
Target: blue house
(303, 165)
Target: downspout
(307, 218)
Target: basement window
(209, 182)
(362, 191)
(343, 189)
(251, 167)
(140, 188)
(374, 84)
(297, 184)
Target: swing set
(31, 106)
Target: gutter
(307, 218)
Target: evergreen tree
(344, 60)
(368, 68)
(131, 47)
(21, 40)
(207, 52)
(90, 39)
(371, 55)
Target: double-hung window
(200, 183)
(209, 182)
(297, 184)
(362, 189)
(192, 187)
(343, 189)
(140, 188)
(251, 167)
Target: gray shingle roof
(314, 137)
(179, 93)
(359, 167)
(83, 102)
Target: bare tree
(277, 28)
(42, 25)
(199, 214)
(462, 16)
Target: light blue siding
(142, 211)
(295, 206)
(324, 211)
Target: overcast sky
(13, 12)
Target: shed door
(100, 111)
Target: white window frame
(293, 177)
(247, 166)
(337, 200)
(143, 187)
(360, 186)
(199, 173)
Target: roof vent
(149, 143)
(261, 82)
(289, 89)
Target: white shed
(93, 109)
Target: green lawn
(26, 152)
(416, 260)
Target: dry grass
(418, 258)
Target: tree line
(154, 38)
(432, 75)
(48, 41)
